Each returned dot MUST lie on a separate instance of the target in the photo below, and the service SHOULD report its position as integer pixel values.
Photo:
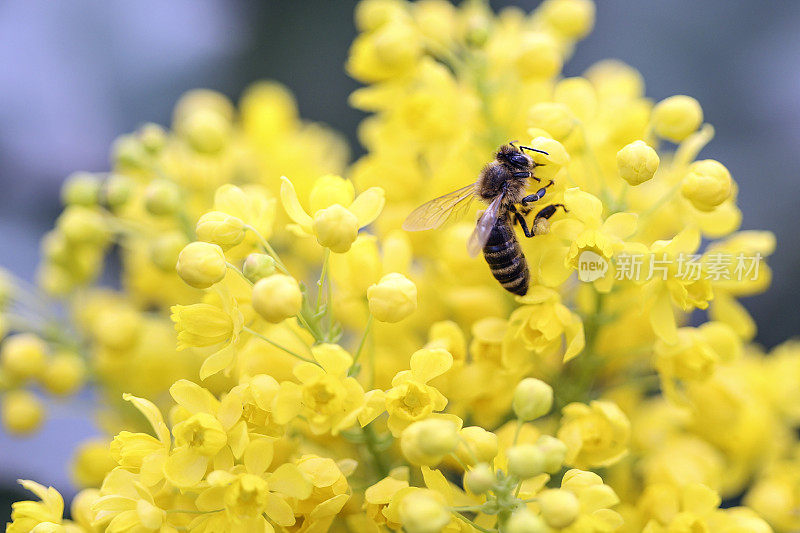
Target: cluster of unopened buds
(280, 355)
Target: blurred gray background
(75, 74)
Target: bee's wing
(484, 227)
(433, 214)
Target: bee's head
(510, 154)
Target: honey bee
(502, 184)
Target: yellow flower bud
(23, 355)
(118, 190)
(479, 478)
(277, 298)
(165, 249)
(538, 56)
(615, 80)
(571, 18)
(637, 162)
(555, 119)
(525, 461)
(707, 184)
(478, 444)
(21, 412)
(393, 298)
(129, 153)
(65, 373)
(162, 198)
(411, 445)
(220, 228)
(556, 156)
(560, 508)
(524, 521)
(555, 452)
(82, 225)
(91, 462)
(532, 398)
(206, 130)
(436, 436)
(201, 264)
(676, 117)
(578, 94)
(336, 228)
(257, 266)
(421, 512)
(153, 137)
(81, 188)
(117, 327)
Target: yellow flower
(126, 504)
(377, 498)
(201, 264)
(540, 324)
(330, 400)
(595, 500)
(393, 298)
(23, 355)
(596, 434)
(670, 508)
(26, 515)
(140, 452)
(707, 184)
(337, 213)
(411, 398)
(329, 491)
(637, 162)
(21, 412)
(277, 297)
(91, 463)
(676, 117)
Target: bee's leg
(548, 211)
(518, 217)
(525, 174)
(537, 195)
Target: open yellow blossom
(596, 434)
(26, 515)
(336, 213)
(329, 399)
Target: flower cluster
(282, 356)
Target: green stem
(322, 277)
(473, 524)
(378, 457)
(367, 329)
(236, 269)
(275, 344)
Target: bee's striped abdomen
(506, 260)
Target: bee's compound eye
(519, 160)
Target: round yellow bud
(532, 398)
(277, 298)
(571, 18)
(578, 94)
(410, 446)
(81, 188)
(118, 190)
(65, 373)
(23, 355)
(637, 162)
(555, 452)
(560, 508)
(82, 225)
(393, 298)
(556, 119)
(615, 80)
(539, 56)
(153, 137)
(91, 462)
(220, 228)
(201, 264)
(552, 161)
(437, 436)
(162, 198)
(676, 117)
(480, 478)
(21, 412)
(477, 444)
(372, 14)
(707, 184)
(206, 130)
(525, 461)
(129, 153)
(165, 249)
(257, 266)
(524, 521)
(336, 228)
(117, 327)
(420, 512)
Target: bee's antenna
(512, 143)
(533, 150)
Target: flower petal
(289, 480)
(368, 205)
(292, 206)
(185, 467)
(429, 363)
(621, 225)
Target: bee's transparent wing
(484, 227)
(433, 214)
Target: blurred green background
(75, 74)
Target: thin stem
(473, 524)
(236, 269)
(378, 458)
(275, 344)
(367, 329)
(517, 431)
(322, 277)
(267, 248)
